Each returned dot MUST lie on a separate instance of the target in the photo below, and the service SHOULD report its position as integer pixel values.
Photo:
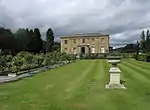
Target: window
(83, 40)
(102, 40)
(74, 51)
(65, 49)
(93, 41)
(66, 41)
(92, 50)
(102, 49)
(74, 41)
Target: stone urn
(114, 72)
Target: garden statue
(114, 73)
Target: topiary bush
(142, 57)
(148, 58)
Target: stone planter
(114, 71)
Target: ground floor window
(92, 50)
(102, 50)
(74, 51)
(66, 50)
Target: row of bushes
(144, 57)
(93, 56)
(105, 55)
(27, 61)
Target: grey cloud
(126, 18)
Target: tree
(6, 40)
(22, 39)
(28, 60)
(36, 42)
(72, 57)
(56, 46)
(29, 47)
(44, 47)
(16, 63)
(137, 50)
(3, 63)
(38, 59)
(47, 60)
(63, 56)
(145, 41)
(49, 39)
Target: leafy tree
(16, 63)
(22, 39)
(31, 37)
(145, 41)
(44, 47)
(56, 56)
(137, 50)
(49, 39)
(65, 57)
(28, 60)
(56, 46)
(47, 60)
(72, 57)
(38, 59)
(5, 52)
(3, 63)
(36, 42)
(6, 40)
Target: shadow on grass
(122, 82)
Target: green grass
(80, 86)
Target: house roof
(86, 35)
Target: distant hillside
(129, 48)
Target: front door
(82, 50)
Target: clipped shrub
(142, 57)
(16, 64)
(3, 63)
(38, 60)
(148, 58)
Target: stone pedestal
(114, 71)
(114, 75)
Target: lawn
(80, 86)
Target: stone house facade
(85, 43)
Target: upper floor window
(102, 40)
(66, 49)
(83, 40)
(66, 41)
(74, 41)
(92, 39)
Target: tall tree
(6, 39)
(137, 50)
(36, 42)
(145, 41)
(22, 39)
(49, 39)
(31, 37)
(56, 46)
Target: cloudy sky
(123, 20)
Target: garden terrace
(80, 86)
